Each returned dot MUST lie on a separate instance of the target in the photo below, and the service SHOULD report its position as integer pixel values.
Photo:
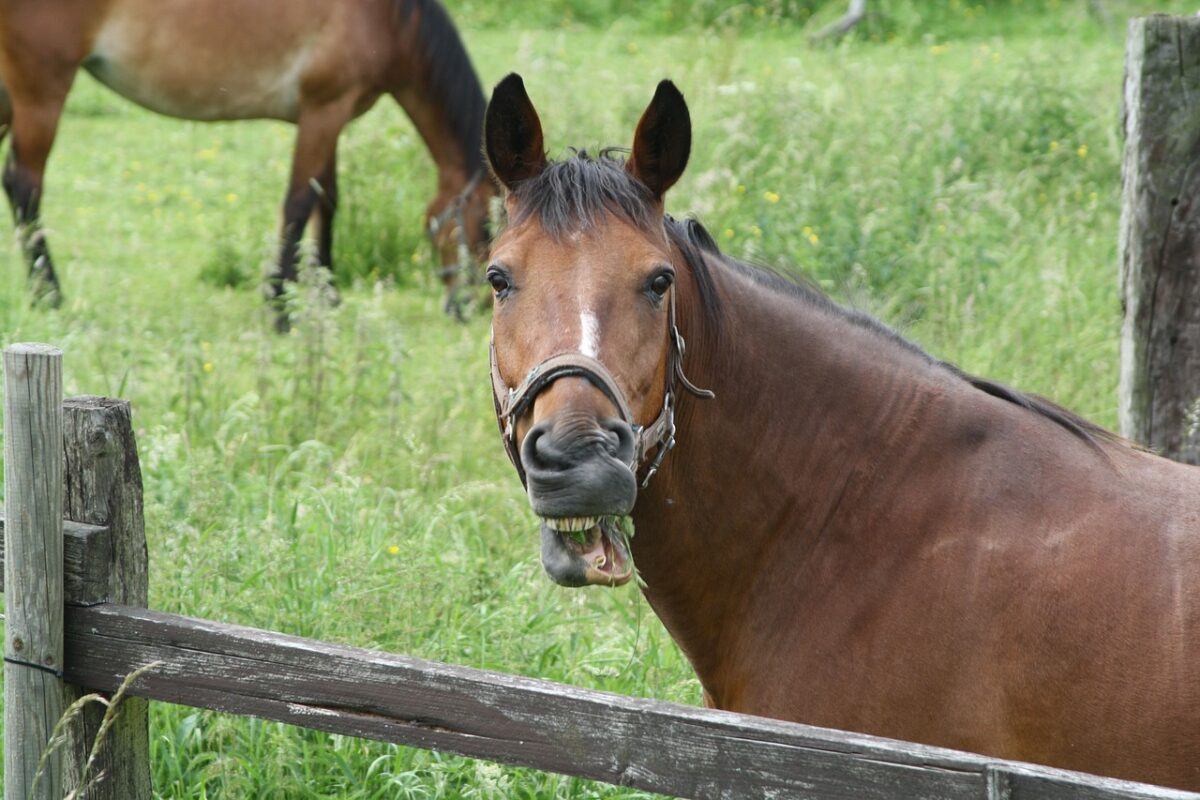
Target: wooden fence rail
(663, 747)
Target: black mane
(576, 193)
(452, 81)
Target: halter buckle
(663, 449)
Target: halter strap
(462, 264)
(512, 403)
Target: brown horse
(316, 63)
(851, 533)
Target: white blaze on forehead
(589, 334)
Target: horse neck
(806, 400)
(433, 80)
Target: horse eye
(660, 283)
(498, 280)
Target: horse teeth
(571, 524)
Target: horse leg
(5, 113)
(34, 122)
(314, 160)
(325, 211)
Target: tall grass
(344, 482)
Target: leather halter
(659, 436)
(462, 265)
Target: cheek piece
(659, 436)
(462, 267)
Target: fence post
(33, 542)
(1159, 395)
(104, 487)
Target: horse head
(585, 352)
(457, 224)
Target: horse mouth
(585, 551)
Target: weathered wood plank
(104, 487)
(680, 750)
(87, 551)
(1159, 395)
(33, 641)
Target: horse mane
(575, 193)
(447, 68)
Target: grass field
(959, 178)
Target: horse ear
(512, 133)
(663, 141)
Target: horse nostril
(555, 449)
(538, 450)
(619, 440)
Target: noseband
(659, 436)
(462, 265)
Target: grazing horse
(316, 63)
(836, 527)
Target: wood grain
(663, 747)
(33, 568)
(87, 551)
(1159, 395)
(103, 486)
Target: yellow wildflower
(727, 233)
(208, 366)
(394, 549)
(231, 198)
(1082, 151)
(771, 197)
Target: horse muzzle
(579, 478)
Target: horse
(313, 63)
(835, 527)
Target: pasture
(345, 482)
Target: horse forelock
(576, 194)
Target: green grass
(345, 482)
